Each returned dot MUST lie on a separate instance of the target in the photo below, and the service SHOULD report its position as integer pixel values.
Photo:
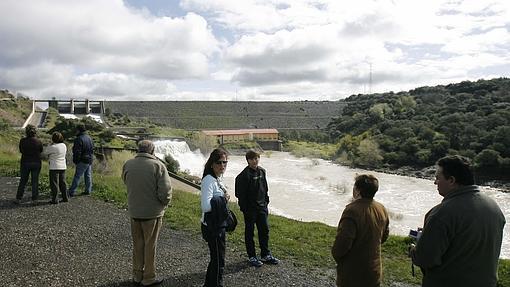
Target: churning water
(318, 190)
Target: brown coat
(364, 225)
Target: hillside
(14, 111)
(417, 127)
(194, 115)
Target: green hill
(13, 111)
(417, 127)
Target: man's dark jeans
(257, 217)
(26, 169)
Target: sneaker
(255, 262)
(85, 193)
(17, 201)
(270, 259)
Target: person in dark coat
(363, 227)
(83, 149)
(31, 148)
(461, 239)
(213, 200)
(251, 190)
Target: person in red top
(30, 147)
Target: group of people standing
(459, 245)
(32, 152)
(149, 193)
(251, 190)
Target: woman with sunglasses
(214, 200)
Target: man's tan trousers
(145, 236)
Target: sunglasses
(221, 162)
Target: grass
(306, 243)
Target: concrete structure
(230, 136)
(266, 138)
(79, 107)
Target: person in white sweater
(57, 158)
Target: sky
(247, 50)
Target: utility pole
(370, 79)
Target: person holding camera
(363, 227)
(461, 238)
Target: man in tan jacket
(364, 225)
(149, 192)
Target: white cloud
(55, 39)
(268, 49)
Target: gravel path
(87, 242)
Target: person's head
(253, 157)
(453, 171)
(146, 146)
(80, 128)
(30, 131)
(57, 137)
(365, 185)
(216, 163)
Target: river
(318, 190)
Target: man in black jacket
(83, 149)
(251, 192)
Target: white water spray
(191, 162)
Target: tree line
(417, 127)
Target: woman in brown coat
(364, 225)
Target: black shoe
(53, 202)
(64, 200)
(156, 282)
(85, 193)
(255, 262)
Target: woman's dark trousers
(26, 169)
(214, 276)
(58, 182)
(251, 218)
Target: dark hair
(81, 128)
(30, 131)
(213, 157)
(367, 185)
(458, 167)
(251, 154)
(57, 137)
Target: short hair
(146, 146)
(458, 167)
(57, 137)
(81, 128)
(30, 131)
(367, 185)
(251, 154)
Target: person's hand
(411, 249)
(227, 197)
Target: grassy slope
(306, 243)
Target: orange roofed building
(229, 136)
